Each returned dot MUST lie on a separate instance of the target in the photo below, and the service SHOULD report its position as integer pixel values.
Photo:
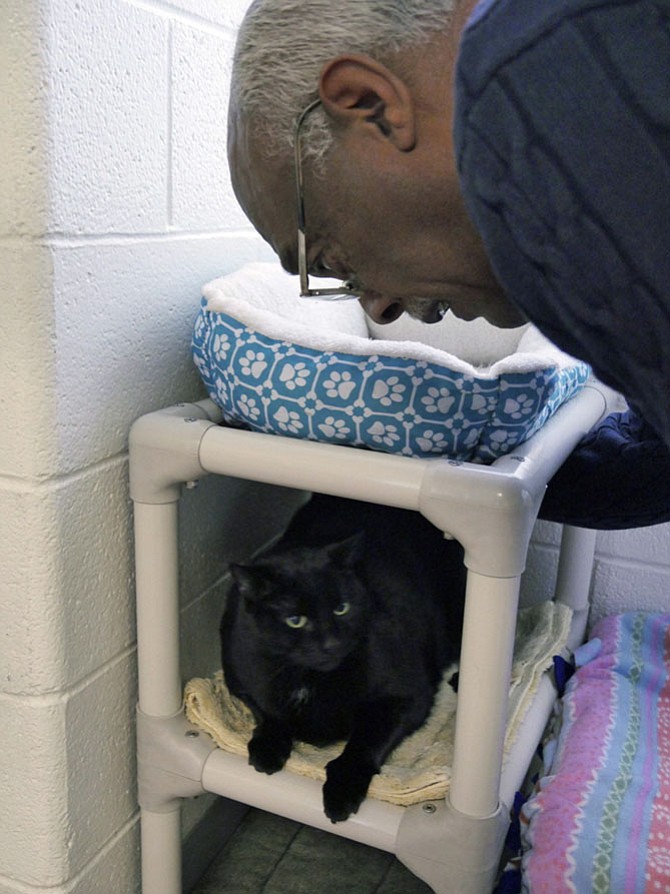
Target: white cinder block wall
(115, 206)
(631, 569)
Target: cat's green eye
(296, 621)
(342, 609)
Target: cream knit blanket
(420, 767)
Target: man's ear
(359, 91)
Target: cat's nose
(330, 645)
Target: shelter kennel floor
(270, 855)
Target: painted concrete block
(27, 434)
(34, 845)
(640, 544)
(199, 633)
(202, 195)
(100, 766)
(30, 609)
(123, 332)
(226, 520)
(24, 169)
(539, 579)
(547, 533)
(107, 117)
(67, 776)
(67, 605)
(621, 586)
(115, 869)
(104, 337)
(228, 14)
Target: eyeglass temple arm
(347, 288)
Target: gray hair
(282, 46)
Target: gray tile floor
(271, 855)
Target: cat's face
(308, 605)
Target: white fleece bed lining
(277, 363)
(420, 768)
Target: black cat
(343, 630)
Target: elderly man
(509, 160)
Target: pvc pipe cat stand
(454, 846)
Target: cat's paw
(345, 789)
(268, 755)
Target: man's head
(381, 197)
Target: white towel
(420, 768)
(476, 341)
(272, 292)
(265, 298)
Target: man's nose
(381, 309)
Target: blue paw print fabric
(362, 395)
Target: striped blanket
(599, 821)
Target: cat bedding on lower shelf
(420, 768)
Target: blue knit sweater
(562, 134)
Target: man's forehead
(264, 186)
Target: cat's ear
(252, 584)
(348, 553)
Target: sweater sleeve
(562, 135)
(617, 477)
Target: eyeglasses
(347, 289)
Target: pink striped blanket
(599, 821)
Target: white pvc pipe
(159, 681)
(573, 579)
(160, 835)
(325, 468)
(572, 589)
(299, 798)
(157, 588)
(483, 691)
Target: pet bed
(280, 364)
(420, 768)
(598, 822)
